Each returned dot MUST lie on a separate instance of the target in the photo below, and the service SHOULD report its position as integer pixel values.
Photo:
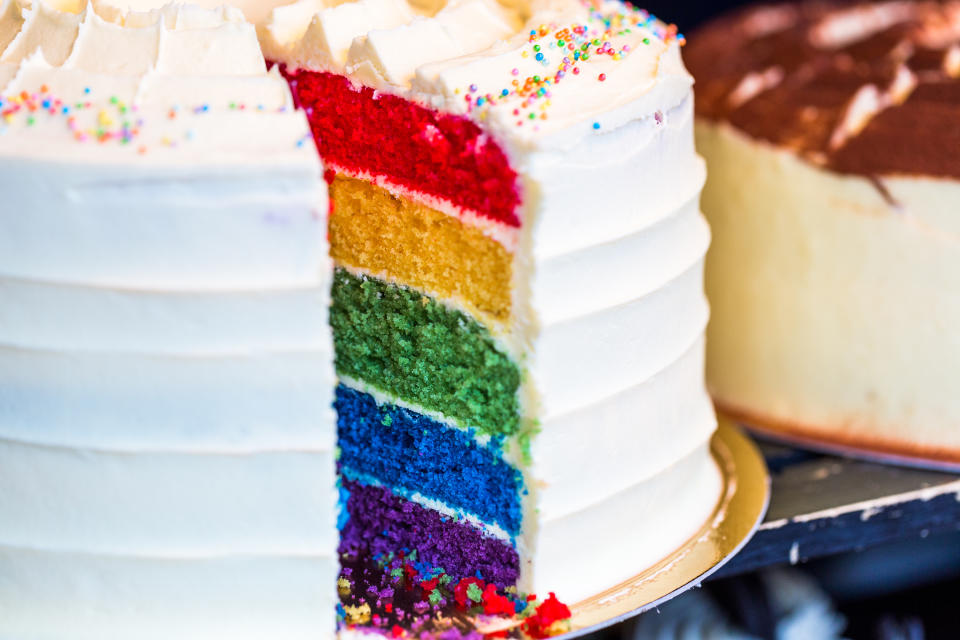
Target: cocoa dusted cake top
(871, 89)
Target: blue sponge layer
(415, 454)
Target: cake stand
(846, 450)
(743, 503)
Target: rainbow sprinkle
(561, 49)
(398, 596)
(110, 120)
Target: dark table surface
(822, 505)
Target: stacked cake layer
(166, 435)
(517, 305)
(429, 421)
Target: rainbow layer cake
(514, 299)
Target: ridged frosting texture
(615, 372)
(502, 63)
(166, 432)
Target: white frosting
(162, 504)
(335, 31)
(50, 595)
(639, 264)
(166, 100)
(617, 318)
(615, 184)
(866, 357)
(130, 321)
(490, 529)
(503, 233)
(196, 228)
(166, 429)
(618, 347)
(635, 434)
(647, 255)
(623, 533)
(437, 58)
(270, 401)
(395, 55)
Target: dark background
(687, 14)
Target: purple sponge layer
(381, 522)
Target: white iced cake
(831, 137)
(489, 379)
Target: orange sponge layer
(384, 234)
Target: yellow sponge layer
(373, 230)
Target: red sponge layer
(439, 154)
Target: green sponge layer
(413, 347)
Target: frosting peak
(142, 84)
(538, 73)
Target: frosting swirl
(169, 85)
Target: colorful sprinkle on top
(560, 50)
(110, 120)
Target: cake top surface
(870, 89)
(535, 72)
(169, 85)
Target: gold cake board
(742, 506)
